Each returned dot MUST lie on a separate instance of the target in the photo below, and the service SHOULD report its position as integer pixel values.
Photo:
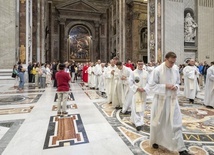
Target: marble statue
(189, 28)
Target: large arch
(91, 31)
(84, 23)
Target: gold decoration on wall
(22, 55)
(22, 1)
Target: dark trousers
(30, 76)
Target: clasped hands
(171, 87)
(140, 89)
(123, 78)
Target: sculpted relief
(189, 28)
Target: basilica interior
(85, 31)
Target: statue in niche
(189, 28)
(143, 38)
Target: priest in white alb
(97, 73)
(121, 87)
(102, 83)
(91, 76)
(138, 84)
(209, 87)
(110, 82)
(191, 86)
(166, 117)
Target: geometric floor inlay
(25, 91)
(198, 128)
(7, 131)
(21, 110)
(65, 131)
(92, 94)
(70, 97)
(70, 106)
(19, 99)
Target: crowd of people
(126, 86)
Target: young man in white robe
(166, 117)
(121, 88)
(102, 87)
(191, 87)
(91, 76)
(97, 73)
(138, 84)
(209, 87)
(110, 82)
(150, 67)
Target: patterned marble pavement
(22, 110)
(7, 130)
(198, 128)
(71, 97)
(65, 131)
(19, 99)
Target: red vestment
(85, 74)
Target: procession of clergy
(127, 89)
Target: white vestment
(97, 73)
(191, 73)
(91, 77)
(110, 82)
(139, 98)
(209, 87)
(121, 87)
(102, 87)
(166, 117)
(150, 69)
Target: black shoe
(155, 146)
(138, 128)
(191, 101)
(118, 108)
(184, 153)
(127, 113)
(64, 113)
(59, 113)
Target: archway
(79, 44)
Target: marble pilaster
(96, 53)
(61, 39)
(22, 31)
(34, 30)
(151, 50)
(42, 31)
(38, 45)
(49, 32)
(8, 28)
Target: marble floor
(29, 125)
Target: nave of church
(29, 124)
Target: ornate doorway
(79, 44)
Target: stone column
(96, 52)
(28, 31)
(61, 40)
(22, 31)
(34, 30)
(155, 33)
(135, 36)
(38, 32)
(42, 31)
(120, 30)
(151, 32)
(49, 31)
(123, 30)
